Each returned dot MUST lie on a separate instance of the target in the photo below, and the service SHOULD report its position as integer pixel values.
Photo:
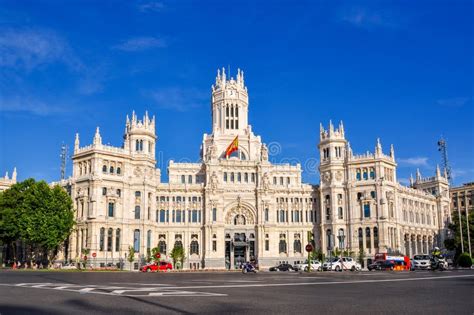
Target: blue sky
(398, 70)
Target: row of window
(281, 181)
(232, 116)
(285, 216)
(281, 200)
(140, 144)
(108, 246)
(198, 179)
(239, 177)
(418, 218)
(365, 173)
(178, 216)
(178, 199)
(338, 153)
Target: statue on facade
(214, 181)
(266, 182)
(264, 152)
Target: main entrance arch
(240, 236)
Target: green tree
(361, 256)
(454, 243)
(40, 216)
(131, 256)
(178, 255)
(154, 251)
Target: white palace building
(228, 209)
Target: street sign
(94, 255)
(309, 248)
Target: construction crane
(64, 157)
(443, 149)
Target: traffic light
(311, 239)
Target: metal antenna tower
(63, 156)
(443, 148)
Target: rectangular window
(162, 216)
(111, 209)
(104, 191)
(190, 179)
(214, 246)
(136, 241)
(194, 218)
(178, 216)
(225, 176)
(246, 177)
(367, 210)
(253, 177)
(214, 214)
(339, 211)
(137, 212)
(328, 213)
(267, 245)
(266, 215)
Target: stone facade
(6, 181)
(226, 210)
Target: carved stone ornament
(137, 171)
(339, 176)
(239, 215)
(266, 182)
(326, 177)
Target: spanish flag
(234, 146)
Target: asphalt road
(449, 292)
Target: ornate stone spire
(418, 175)
(341, 128)
(14, 175)
(97, 137)
(412, 181)
(76, 142)
(438, 171)
(378, 148)
(392, 152)
(349, 150)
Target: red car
(160, 266)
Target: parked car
(160, 266)
(315, 265)
(339, 264)
(421, 262)
(381, 265)
(282, 267)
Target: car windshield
(335, 259)
(421, 257)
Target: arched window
(104, 169)
(119, 171)
(367, 238)
(194, 248)
(365, 174)
(225, 176)
(111, 170)
(109, 239)
(297, 246)
(372, 173)
(361, 238)
(138, 194)
(282, 244)
(137, 212)
(376, 237)
(137, 145)
(117, 240)
(141, 145)
(178, 243)
(136, 240)
(162, 247)
(101, 239)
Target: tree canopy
(36, 214)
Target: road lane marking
(184, 293)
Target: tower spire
(76, 143)
(97, 137)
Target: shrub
(464, 261)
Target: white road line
(320, 283)
(139, 283)
(185, 293)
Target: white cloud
(414, 161)
(32, 106)
(141, 43)
(151, 6)
(28, 49)
(366, 18)
(178, 99)
(453, 102)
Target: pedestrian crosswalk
(138, 290)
